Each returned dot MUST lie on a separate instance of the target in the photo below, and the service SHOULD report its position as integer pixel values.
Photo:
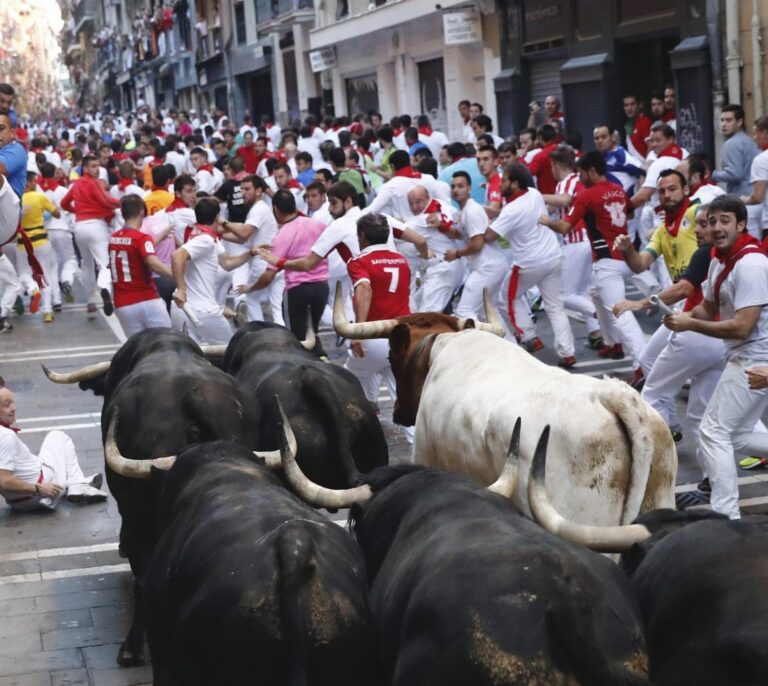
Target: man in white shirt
(538, 262)
(204, 171)
(733, 309)
(33, 482)
(195, 268)
(486, 262)
(758, 175)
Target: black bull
(167, 396)
(337, 431)
(250, 585)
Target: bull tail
(296, 568)
(316, 385)
(637, 420)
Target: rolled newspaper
(190, 314)
(656, 302)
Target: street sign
(462, 26)
(323, 59)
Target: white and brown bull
(611, 455)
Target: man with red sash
(733, 308)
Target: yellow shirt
(158, 200)
(676, 250)
(33, 208)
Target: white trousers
(576, 276)
(10, 286)
(607, 289)
(370, 368)
(9, 212)
(59, 465)
(438, 284)
(92, 238)
(61, 240)
(214, 329)
(346, 291)
(548, 279)
(47, 259)
(148, 314)
(488, 276)
(274, 293)
(727, 430)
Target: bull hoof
(128, 658)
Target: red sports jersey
(603, 207)
(390, 280)
(571, 185)
(493, 189)
(541, 167)
(131, 278)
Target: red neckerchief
(8, 426)
(433, 207)
(240, 176)
(672, 221)
(668, 115)
(36, 150)
(408, 173)
(426, 130)
(672, 151)
(202, 229)
(396, 132)
(48, 184)
(744, 245)
(293, 183)
(177, 204)
(514, 196)
(155, 162)
(206, 167)
(122, 184)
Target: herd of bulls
(218, 457)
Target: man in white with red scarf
(733, 309)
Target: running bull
(250, 585)
(699, 582)
(613, 455)
(337, 430)
(167, 396)
(465, 590)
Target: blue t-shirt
(468, 165)
(14, 157)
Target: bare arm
(742, 324)
(362, 301)
(178, 269)
(231, 262)
(560, 226)
(675, 293)
(262, 282)
(158, 267)
(474, 246)
(638, 261)
(758, 193)
(237, 233)
(299, 264)
(419, 242)
(642, 196)
(561, 200)
(13, 487)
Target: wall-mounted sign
(462, 26)
(323, 59)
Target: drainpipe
(757, 62)
(733, 50)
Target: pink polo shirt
(294, 240)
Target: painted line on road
(743, 481)
(744, 502)
(58, 552)
(601, 372)
(114, 325)
(45, 351)
(65, 574)
(65, 356)
(60, 427)
(59, 417)
(593, 363)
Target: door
(362, 95)
(432, 93)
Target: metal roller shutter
(545, 79)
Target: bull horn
(213, 350)
(507, 481)
(310, 341)
(495, 324)
(133, 469)
(84, 374)
(310, 492)
(604, 539)
(345, 329)
(271, 459)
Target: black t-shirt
(698, 267)
(230, 193)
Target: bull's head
(410, 344)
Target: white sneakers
(87, 491)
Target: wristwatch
(37, 489)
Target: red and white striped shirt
(571, 185)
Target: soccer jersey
(603, 207)
(131, 277)
(679, 248)
(390, 278)
(571, 185)
(493, 189)
(34, 205)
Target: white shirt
(340, 232)
(205, 181)
(132, 189)
(708, 192)
(531, 244)
(312, 146)
(437, 241)
(178, 160)
(659, 165)
(473, 221)
(745, 286)
(260, 216)
(759, 172)
(467, 133)
(273, 133)
(323, 215)
(201, 273)
(63, 223)
(16, 457)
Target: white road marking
(43, 351)
(58, 552)
(593, 363)
(65, 573)
(60, 427)
(114, 325)
(602, 372)
(56, 418)
(687, 488)
(64, 356)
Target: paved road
(64, 592)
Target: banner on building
(323, 59)
(462, 26)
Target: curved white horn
(271, 458)
(495, 324)
(307, 490)
(83, 374)
(604, 539)
(345, 329)
(507, 481)
(134, 469)
(310, 341)
(213, 350)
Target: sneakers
(533, 346)
(83, 493)
(611, 352)
(57, 308)
(66, 290)
(340, 340)
(594, 342)
(638, 380)
(34, 302)
(753, 463)
(18, 306)
(106, 298)
(704, 486)
(48, 317)
(94, 480)
(5, 325)
(567, 362)
(92, 310)
(677, 435)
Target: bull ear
(400, 339)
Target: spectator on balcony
(181, 14)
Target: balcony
(84, 15)
(277, 15)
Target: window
(342, 8)
(240, 31)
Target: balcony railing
(84, 13)
(274, 15)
